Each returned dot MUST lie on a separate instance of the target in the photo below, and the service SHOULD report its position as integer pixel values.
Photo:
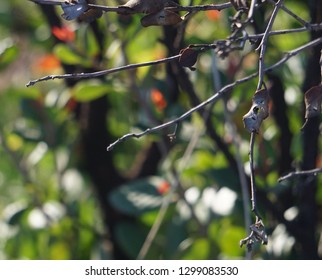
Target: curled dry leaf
(258, 234)
(79, 9)
(188, 57)
(313, 99)
(240, 4)
(258, 112)
(161, 18)
(145, 6)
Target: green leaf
(88, 91)
(8, 54)
(228, 239)
(68, 56)
(14, 212)
(224, 177)
(138, 197)
(30, 93)
(199, 250)
(130, 237)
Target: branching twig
(214, 97)
(263, 43)
(313, 172)
(258, 233)
(203, 47)
(178, 8)
(103, 72)
(252, 176)
(211, 7)
(285, 9)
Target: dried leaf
(258, 112)
(145, 6)
(73, 9)
(313, 99)
(90, 15)
(161, 18)
(240, 4)
(79, 9)
(188, 57)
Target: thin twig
(203, 47)
(252, 175)
(290, 175)
(214, 97)
(197, 8)
(156, 225)
(251, 10)
(241, 173)
(263, 44)
(102, 72)
(285, 9)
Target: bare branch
(313, 172)
(263, 44)
(103, 72)
(285, 9)
(214, 97)
(211, 7)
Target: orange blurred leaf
(64, 34)
(213, 15)
(163, 188)
(158, 99)
(48, 63)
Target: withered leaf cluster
(156, 10)
(312, 99)
(258, 112)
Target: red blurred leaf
(213, 15)
(158, 99)
(163, 187)
(64, 34)
(48, 62)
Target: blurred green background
(63, 196)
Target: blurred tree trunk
(307, 186)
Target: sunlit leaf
(199, 250)
(14, 212)
(66, 55)
(87, 91)
(8, 54)
(138, 197)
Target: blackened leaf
(188, 57)
(313, 98)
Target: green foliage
(49, 207)
(138, 197)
